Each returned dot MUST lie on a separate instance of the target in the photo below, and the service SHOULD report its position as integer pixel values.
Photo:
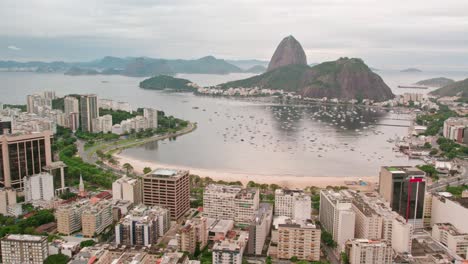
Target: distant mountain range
(137, 66)
(436, 82)
(344, 78)
(459, 88)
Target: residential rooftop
(409, 170)
(25, 238)
(167, 173)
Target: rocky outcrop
(288, 52)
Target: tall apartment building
(24, 249)
(71, 105)
(456, 128)
(293, 203)
(142, 226)
(450, 237)
(375, 220)
(102, 124)
(39, 187)
(231, 202)
(36, 104)
(451, 210)
(88, 111)
(367, 251)
(96, 217)
(230, 251)
(192, 234)
(300, 240)
(69, 217)
(72, 112)
(168, 188)
(23, 155)
(336, 215)
(151, 115)
(74, 121)
(404, 188)
(7, 199)
(260, 229)
(128, 189)
(368, 222)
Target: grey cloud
(382, 32)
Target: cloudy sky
(429, 34)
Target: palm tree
(146, 170)
(128, 167)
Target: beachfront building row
(231, 203)
(142, 226)
(293, 203)
(149, 120)
(102, 124)
(109, 104)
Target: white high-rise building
(151, 115)
(231, 202)
(102, 124)
(293, 203)
(7, 199)
(454, 240)
(260, 229)
(71, 105)
(128, 189)
(39, 187)
(336, 215)
(365, 251)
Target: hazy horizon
(430, 34)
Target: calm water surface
(248, 136)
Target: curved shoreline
(287, 181)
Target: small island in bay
(165, 82)
(411, 70)
(436, 82)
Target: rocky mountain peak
(288, 52)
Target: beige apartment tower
(168, 188)
(24, 249)
(302, 241)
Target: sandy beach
(286, 181)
